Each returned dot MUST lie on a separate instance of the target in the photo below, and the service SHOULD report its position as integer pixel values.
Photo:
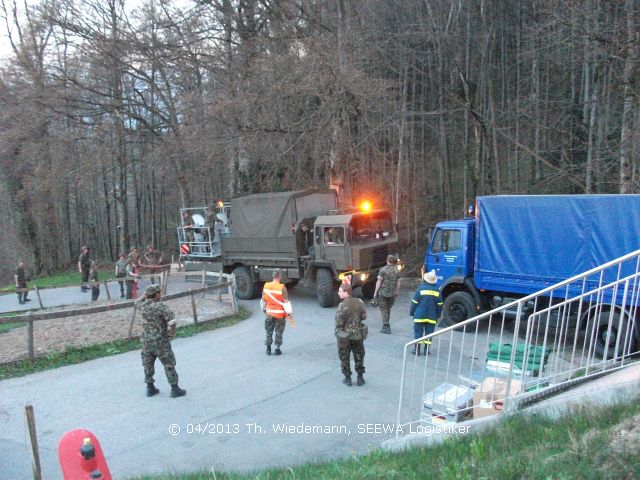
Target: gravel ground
(55, 335)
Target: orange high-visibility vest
(272, 294)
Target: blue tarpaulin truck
(520, 244)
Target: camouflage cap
(151, 290)
(391, 259)
(277, 272)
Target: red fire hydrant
(81, 456)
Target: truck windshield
(372, 226)
(446, 240)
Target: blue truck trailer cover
(525, 243)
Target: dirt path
(55, 335)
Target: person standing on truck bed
(274, 296)
(210, 224)
(386, 291)
(187, 226)
(426, 306)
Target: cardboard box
(476, 377)
(488, 398)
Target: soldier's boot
(347, 380)
(268, 349)
(427, 350)
(360, 380)
(386, 329)
(152, 390)
(278, 351)
(176, 391)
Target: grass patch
(70, 277)
(533, 447)
(75, 355)
(5, 327)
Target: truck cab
(356, 244)
(450, 252)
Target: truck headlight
(363, 277)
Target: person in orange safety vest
(275, 301)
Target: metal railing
(525, 350)
(201, 241)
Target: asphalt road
(63, 296)
(238, 400)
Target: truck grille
(379, 255)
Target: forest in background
(113, 116)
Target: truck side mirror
(429, 235)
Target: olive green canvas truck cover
(265, 223)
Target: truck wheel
(618, 329)
(458, 307)
(368, 289)
(325, 288)
(246, 288)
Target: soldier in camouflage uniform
(153, 258)
(351, 332)
(156, 336)
(84, 265)
(387, 291)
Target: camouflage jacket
(350, 318)
(93, 276)
(155, 317)
(21, 275)
(85, 260)
(389, 275)
(153, 258)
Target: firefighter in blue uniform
(426, 307)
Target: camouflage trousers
(385, 304)
(277, 324)
(85, 278)
(161, 350)
(345, 347)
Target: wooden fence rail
(164, 279)
(30, 318)
(161, 269)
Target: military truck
(303, 233)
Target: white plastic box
(447, 402)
